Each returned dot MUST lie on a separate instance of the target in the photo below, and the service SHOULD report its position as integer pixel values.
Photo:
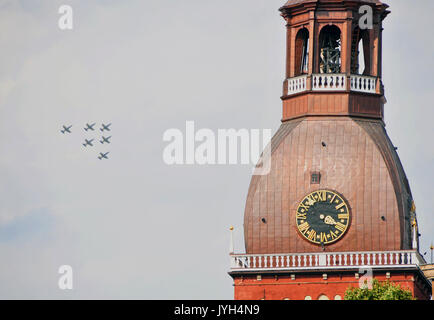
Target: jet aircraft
(66, 129)
(103, 155)
(105, 127)
(105, 140)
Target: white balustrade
(332, 82)
(363, 84)
(329, 82)
(325, 260)
(297, 84)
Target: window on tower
(330, 49)
(315, 178)
(302, 52)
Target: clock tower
(336, 208)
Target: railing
(322, 260)
(296, 85)
(329, 82)
(363, 84)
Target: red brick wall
(272, 287)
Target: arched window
(308, 298)
(360, 52)
(330, 50)
(323, 297)
(338, 297)
(302, 52)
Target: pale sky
(131, 226)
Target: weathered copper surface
(359, 161)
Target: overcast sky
(131, 226)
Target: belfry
(336, 206)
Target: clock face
(323, 217)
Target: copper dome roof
(360, 162)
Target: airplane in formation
(105, 140)
(89, 126)
(88, 142)
(105, 127)
(66, 129)
(103, 155)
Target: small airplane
(105, 127)
(88, 143)
(103, 155)
(66, 129)
(104, 139)
(89, 127)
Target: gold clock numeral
(304, 227)
(340, 227)
(332, 235)
(323, 237)
(322, 196)
(311, 200)
(343, 216)
(333, 199)
(304, 206)
(301, 216)
(340, 205)
(311, 235)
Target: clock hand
(329, 220)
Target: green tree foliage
(379, 291)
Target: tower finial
(231, 245)
(415, 233)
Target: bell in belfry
(330, 54)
